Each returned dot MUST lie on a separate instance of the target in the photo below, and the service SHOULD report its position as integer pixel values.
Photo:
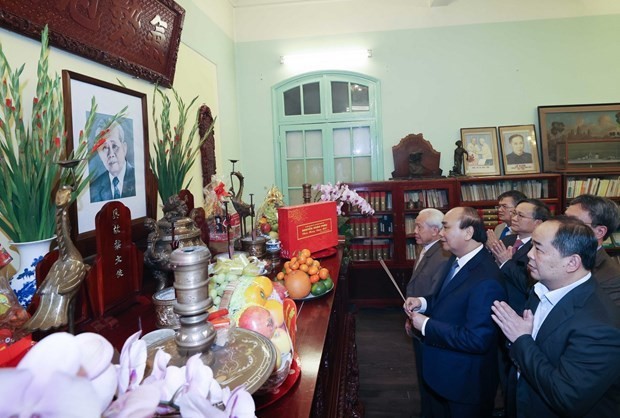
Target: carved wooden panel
(139, 37)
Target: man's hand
(412, 304)
(511, 324)
(500, 252)
(491, 238)
(408, 327)
(417, 319)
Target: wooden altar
(329, 381)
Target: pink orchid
(132, 364)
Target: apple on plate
(265, 228)
(258, 319)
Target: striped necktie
(450, 275)
(117, 193)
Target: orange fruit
(309, 261)
(302, 259)
(313, 270)
(293, 260)
(306, 252)
(316, 263)
(323, 273)
(280, 276)
(264, 283)
(298, 284)
(254, 294)
(276, 310)
(295, 266)
(314, 278)
(287, 264)
(303, 267)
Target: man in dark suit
(119, 179)
(511, 251)
(602, 215)
(566, 347)
(506, 203)
(427, 273)
(459, 351)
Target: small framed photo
(482, 157)
(519, 149)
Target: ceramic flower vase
(24, 282)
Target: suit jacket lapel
(460, 275)
(434, 248)
(565, 309)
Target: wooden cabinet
(388, 234)
(482, 192)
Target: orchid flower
(341, 194)
(132, 364)
(62, 375)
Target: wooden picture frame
(519, 149)
(141, 38)
(138, 186)
(482, 151)
(580, 138)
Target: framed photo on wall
(482, 158)
(119, 167)
(519, 149)
(580, 138)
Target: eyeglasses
(503, 207)
(514, 214)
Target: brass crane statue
(58, 290)
(243, 209)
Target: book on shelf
(604, 187)
(473, 192)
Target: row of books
(594, 185)
(380, 201)
(371, 250)
(432, 198)
(473, 192)
(371, 226)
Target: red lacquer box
(313, 226)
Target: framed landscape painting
(482, 158)
(580, 138)
(519, 149)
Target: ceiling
(254, 3)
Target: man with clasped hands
(459, 345)
(566, 347)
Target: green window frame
(326, 129)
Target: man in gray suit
(426, 274)
(602, 215)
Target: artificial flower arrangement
(73, 376)
(29, 156)
(174, 155)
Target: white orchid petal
(193, 405)
(14, 390)
(56, 352)
(132, 363)
(240, 404)
(96, 353)
(198, 375)
(175, 378)
(105, 386)
(68, 397)
(139, 403)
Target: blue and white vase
(24, 282)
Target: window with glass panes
(326, 131)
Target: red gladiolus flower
(35, 100)
(57, 142)
(98, 144)
(9, 102)
(220, 191)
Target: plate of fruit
(304, 278)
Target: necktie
(515, 247)
(420, 258)
(450, 275)
(505, 232)
(117, 193)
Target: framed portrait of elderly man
(482, 155)
(118, 168)
(519, 149)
